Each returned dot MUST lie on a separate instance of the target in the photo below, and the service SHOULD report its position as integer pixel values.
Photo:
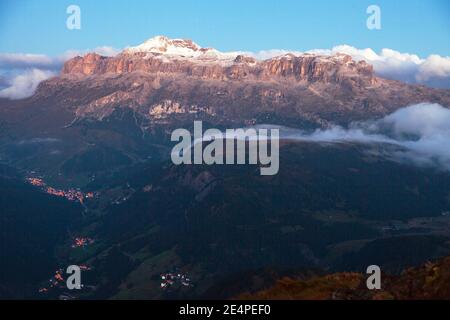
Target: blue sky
(39, 26)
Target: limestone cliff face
(312, 68)
(306, 68)
(88, 64)
(170, 79)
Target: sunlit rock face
(297, 90)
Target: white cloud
(20, 73)
(24, 84)
(10, 61)
(421, 131)
(433, 71)
(27, 60)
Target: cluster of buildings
(169, 279)
(79, 242)
(57, 281)
(84, 267)
(38, 182)
(71, 194)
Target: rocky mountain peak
(184, 57)
(164, 45)
(177, 78)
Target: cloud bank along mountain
(24, 84)
(391, 64)
(422, 132)
(433, 71)
(20, 72)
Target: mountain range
(102, 127)
(164, 78)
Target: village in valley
(56, 285)
(70, 194)
(81, 242)
(174, 279)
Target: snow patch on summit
(181, 48)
